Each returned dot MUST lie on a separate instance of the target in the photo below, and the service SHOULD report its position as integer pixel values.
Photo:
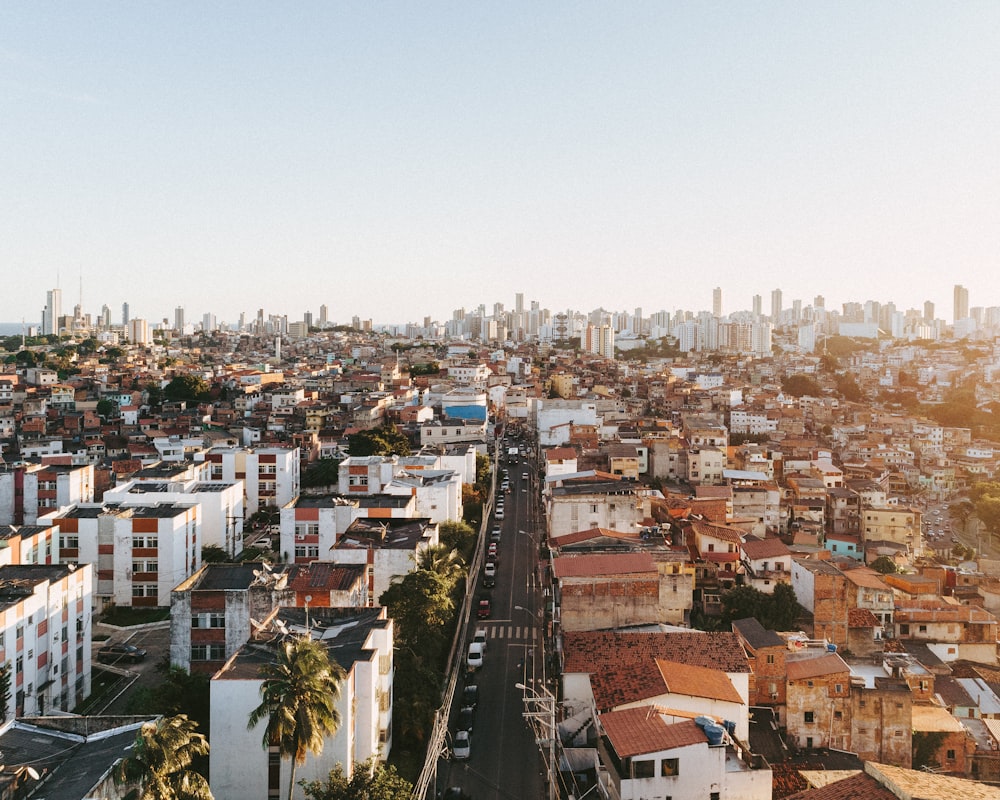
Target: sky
(399, 160)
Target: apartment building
(139, 553)
(270, 475)
(29, 544)
(45, 634)
(361, 642)
(29, 491)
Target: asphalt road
(504, 759)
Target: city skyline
(380, 158)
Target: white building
(553, 417)
(45, 627)
(140, 553)
(657, 754)
(361, 642)
(270, 474)
(222, 512)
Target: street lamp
(540, 709)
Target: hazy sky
(400, 159)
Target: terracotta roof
(799, 669)
(950, 614)
(584, 566)
(857, 787)
(698, 681)
(591, 533)
(635, 731)
(868, 578)
(622, 665)
(734, 535)
(861, 618)
(771, 547)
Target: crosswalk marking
(519, 632)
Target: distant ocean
(14, 328)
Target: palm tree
(298, 701)
(443, 560)
(159, 766)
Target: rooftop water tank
(831, 648)
(715, 734)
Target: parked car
(470, 696)
(466, 718)
(474, 660)
(489, 581)
(493, 551)
(498, 513)
(490, 570)
(495, 534)
(462, 745)
(120, 653)
(479, 637)
(485, 610)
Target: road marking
(495, 631)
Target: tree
(383, 441)
(443, 561)
(371, 780)
(178, 692)
(213, 554)
(186, 387)
(800, 385)
(159, 765)
(105, 407)
(299, 694)
(5, 676)
(324, 472)
(885, 565)
(848, 387)
(458, 536)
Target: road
(504, 759)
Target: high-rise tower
(52, 312)
(961, 302)
(717, 302)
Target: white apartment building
(361, 641)
(140, 553)
(222, 509)
(33, 490)
(270, 474)
(45, 627)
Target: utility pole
(540, 712)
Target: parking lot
(156, 643)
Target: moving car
(120, 653)
(474, 660)
(485, 610)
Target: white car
(479, 637)
(462, 746)
(490, 570)
(475, 658)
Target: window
(923, 629)
(145, 566)
(70, 542)
(669, 767)
(838, 714)
(808, 717)
(904, 630)
(212, 619)
(838, 688)
(770, 658)
(19, 632)
(643, 769)
(950, 755)
(151, 542)
(713, 796)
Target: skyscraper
(519, 302)
(52, 312)
(961, 302)
(776, 307)
(717, 302)
(928, 311)
(179, 319)
(125, 316)
(758, 305)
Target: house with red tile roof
(613, 670)
(649, 752)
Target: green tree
(213, 554)
(459, 536)
(420, 603)
(178, 692)
(5, 682)
(885, 565)
(385, 440)
(186, 387)
(985, 497)
(158, 767)
(847, 387)
(442, 560)
(371, 780)
(799, 385)
(324, 472)
(298, 705)
(784, 608)
(105, 408)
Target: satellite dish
(32, 773)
